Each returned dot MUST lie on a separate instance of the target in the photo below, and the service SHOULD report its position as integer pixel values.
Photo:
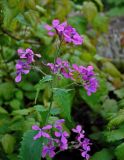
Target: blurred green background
(101, 24)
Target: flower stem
(58, 50)
(50, 106)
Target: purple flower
(83, 144)
(85, 148)
(56, 27)
(26, 54)
(84, 154)
(79, 74)
(80, 132)
(49, 150)
(21, 68)
(41, 132)
(70, 35)
(64, 31)
(62, 135)
(91, 86)
(58, 123)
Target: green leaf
(19, 94)
(40, 108)
(6, 90)
(100, 23)
(117, 119)
(15, 104)
(55, 111)
(111, 69)
(116, 11)
(30, 149)
(64, 100)
(99, 2)
(42, 84)
(104, 154)
(3, 111)
(94, 100)
(109, 106)
(8, 142)
(22, 111)
(119, 152)
(114, 135)
(89, 10)
(26, 86)
(120, 93)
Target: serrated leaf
(119, 152)
(64, 100)
(104, 154)
(40, 108)
(114, 135)
(30, 149)
(117, 119)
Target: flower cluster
(59, 139)
(79, 74)
(83, 144)
(23, 64)
(64, 31)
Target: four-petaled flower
(21, 68)
(27, 54)
(41, 131)
(62, 135)
(49, 150)
(79, 131)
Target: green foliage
(89, 10)
(64, 98)
(116, 119)
(8, 142)
(117, 8)
(22, 26)
(119, 151)
(30, 149)
(104, 154)
(115, 135)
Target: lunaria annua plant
(56, 136)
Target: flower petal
(18, 78)
(35, 127)
(47, 127)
